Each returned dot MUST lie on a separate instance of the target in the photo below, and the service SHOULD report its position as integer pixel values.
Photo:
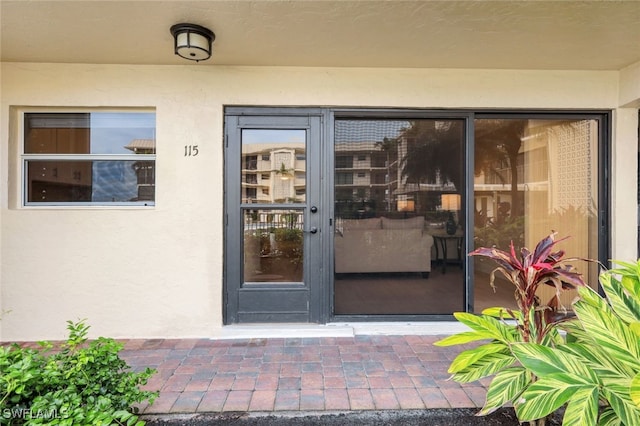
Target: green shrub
(83, 383)
(500, 328)
(597, 373)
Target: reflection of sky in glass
(353, 131)
(251, 136)
(112, 131)
(114, 181)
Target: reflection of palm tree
(387, 145)
(434, 152)
(284, 172)
(497, 140)
(390, 147)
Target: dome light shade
(192, 41)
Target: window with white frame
(89, 158)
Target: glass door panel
(273, 245)
(398, 240)
(533, 176)
(273, 166)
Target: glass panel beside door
(399, 216)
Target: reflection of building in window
(273, 172)
(362, 171)
(145, 170)
(251, 193)
(373, 174)
(554, 168)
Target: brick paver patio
(364, 372)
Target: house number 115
(190, 150)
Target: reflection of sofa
(382, 245)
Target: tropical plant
(596, 374)
(534, 321)
(81, 383)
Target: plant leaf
(501, 313)
(543, 248)
(607, 329)
(582, 408)
(462, 338)
(635, 327)
(490, 364)
(546, 395)
(634, 390)
(601, 362)
(505, 387)
(544, 361)
(471, 356)
(608, 417)
(490, 327)
(630, 273)
(625, 305)
(508, 261)
(620, 401)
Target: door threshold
(339, 329)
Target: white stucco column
(624, 181)
(624, 163)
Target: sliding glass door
(404, 223)
(399, 216)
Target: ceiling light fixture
(192, 41)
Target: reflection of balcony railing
(273, 220)
(253, 185)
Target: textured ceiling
(583, 35)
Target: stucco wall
(158, 272)
(630, 86)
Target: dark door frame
(281, 301)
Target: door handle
(313, 230)
(314, 209)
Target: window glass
(89, 157)
(533, 176)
